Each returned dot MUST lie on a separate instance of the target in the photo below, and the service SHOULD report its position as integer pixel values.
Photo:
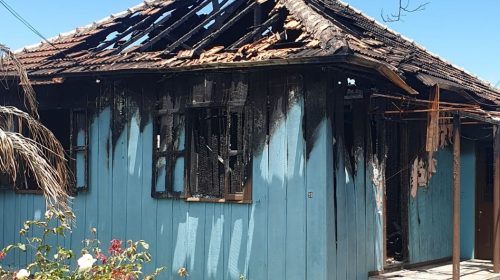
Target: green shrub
(122, 261)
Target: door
(484, 202)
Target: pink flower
(116, 247)
(2, 255)
(101, 257)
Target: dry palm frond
(11, 117)
(37, 152)
(6, 56)
(18, 151)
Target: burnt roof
(172, 35)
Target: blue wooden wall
(430, 212)
(304, 222)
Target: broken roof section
(165, 35)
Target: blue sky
(466, 33)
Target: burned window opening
(169, 150)
(70, 128)
(219, 153)
(79, 154)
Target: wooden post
(456, 197)
(496, 199)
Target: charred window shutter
(79, 148)
(169, 145)
(219, 153)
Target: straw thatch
(28, 147)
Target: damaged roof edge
(385, 70)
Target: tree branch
(403, 10)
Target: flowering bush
(121, 262)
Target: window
(202, 146)
(79, 148)
(57, 121)
(169, 143)
(202, 154)
(219, 153)
(70, 127)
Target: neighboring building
(292, 139)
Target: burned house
(288, 139)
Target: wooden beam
(255, 32)
(145, 21)
(213, 35)
(478, 117)
(456, 197)
(496, 199)
(178, 23)
(155, 25)
(214, 15)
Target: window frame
(171, 154)
(245, 196)
(75, 148)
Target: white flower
(22, 274)
(85, 262)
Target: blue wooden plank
(413, 240)
(134, 173)
(25, 199)
(359, 182)
(321, 259)
(17, 222)
(214, 246)
(156, 221)
(179, 237)
(162, 245)
(31, 217)
(331, 229)
(79, 231)
(119, 175)
(226, 237)
(432, 199)
(9, 225)
(209, 231)
(342, 210)
(103, 174)
(379, 220)
(196, 240)
(371, 209)
(276, 178)
(296, 188)
(258, 223)
(239, 239)
(352, 268)
(374, 215)
(277, 203)
(258, 265)
(92, 211)
(430, 214)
